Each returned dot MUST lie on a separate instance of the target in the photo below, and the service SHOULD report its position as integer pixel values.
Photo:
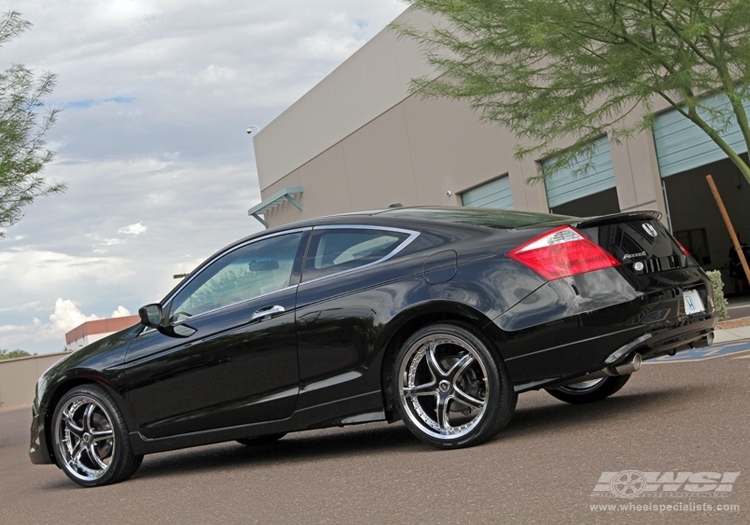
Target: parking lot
(689, 416)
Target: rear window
(336, 250)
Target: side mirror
(151, 315)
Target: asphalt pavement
(738, 307)
(555, 463)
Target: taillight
(684, 250)
(561, 253)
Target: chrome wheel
(449, 387)
(90, 438)
(444, 384)
(85, 438)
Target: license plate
(693, 303)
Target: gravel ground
(733, 323)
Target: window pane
(333, 251)
(252, 270)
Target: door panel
(242, 374)
(240, 365)
(343, 302)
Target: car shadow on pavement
(381, 438)
(296, 447)
(559, 415)
(387, 439)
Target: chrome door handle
(266, 312)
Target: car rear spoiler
(619, 217)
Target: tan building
(358, 141)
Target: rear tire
(451, 390)
(589, 391)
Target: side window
(336, 250)
(249, 271)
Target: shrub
(720, 301)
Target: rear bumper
(577, 337)
(573, 360)
(668, 341)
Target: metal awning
(273, 201)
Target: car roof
(419, 218)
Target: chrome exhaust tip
(628, 367)
(703, 342)
(633, 365)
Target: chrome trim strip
(360, 227)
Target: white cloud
(67, 316)
(156, 98)
(33, 271)
(133, 229)
(51, 334)
(217, 75)
(110, 242)
(121, 312)
(32, 306)
(122, 12)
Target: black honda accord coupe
(438, 317)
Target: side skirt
(363, 408)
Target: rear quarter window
(337, 250)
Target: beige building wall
(18, 377)
(373, 80)
(358, 141)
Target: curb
(731, 334)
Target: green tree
(13, 354)
(580, 69)
(24, 120)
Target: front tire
(90, 438)
(451, 390)
(589, 391)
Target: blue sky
(156, 97)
